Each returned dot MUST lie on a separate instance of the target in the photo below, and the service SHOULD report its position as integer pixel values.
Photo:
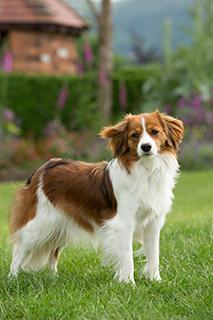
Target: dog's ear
(173, 128)
(118, 137)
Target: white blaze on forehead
(146, 139)
(145, 136)
(143, 124)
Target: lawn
(85, 290)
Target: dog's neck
(159, 163)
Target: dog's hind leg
(53, 259)
(31, 250)
(20, 252)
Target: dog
(112, 203)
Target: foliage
(184, 87)
(87, 53)
(186, 72)
(20, 155)
(37, 101)
(86, 290)
(132, 80)
(196, 155)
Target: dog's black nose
(146, 147)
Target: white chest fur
(149, 185)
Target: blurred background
(69, 67)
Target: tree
(103, 18)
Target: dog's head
(144, 135)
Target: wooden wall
(42, 52)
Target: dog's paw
(125, 277)
(152, 275)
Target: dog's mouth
(147, 155)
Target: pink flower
(197, 107)
(196, 102)
(88, 55)
(62, 97)
(182, 102)
(8, 114)
(7, 62)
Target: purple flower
(88, 55)
(182, 102)
(167, 109)
(8, 114)
(122, 94)
(7, 62)
(196, 104)
(62, 97)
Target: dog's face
(144, 135)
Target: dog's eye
(135, 135)
(154, 132)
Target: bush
(20, 156)
(185, 87)
(128, 82)
(37, 100)
(196, 156)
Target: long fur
(112, 203)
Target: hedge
(34, 98)
(133, 79)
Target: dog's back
(63, 200)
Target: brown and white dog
(115, 202)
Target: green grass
(85, 290)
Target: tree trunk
(105, 66)
(105, 59)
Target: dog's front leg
(151, 239)
(118, 242)
(125, 267)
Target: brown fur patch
(24, 206)
(174, 131)
(81, 190)
(123, 146)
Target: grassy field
(85, 290)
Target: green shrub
(34, 98)
(133, 78)
(196, 155)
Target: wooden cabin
(40, 35)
